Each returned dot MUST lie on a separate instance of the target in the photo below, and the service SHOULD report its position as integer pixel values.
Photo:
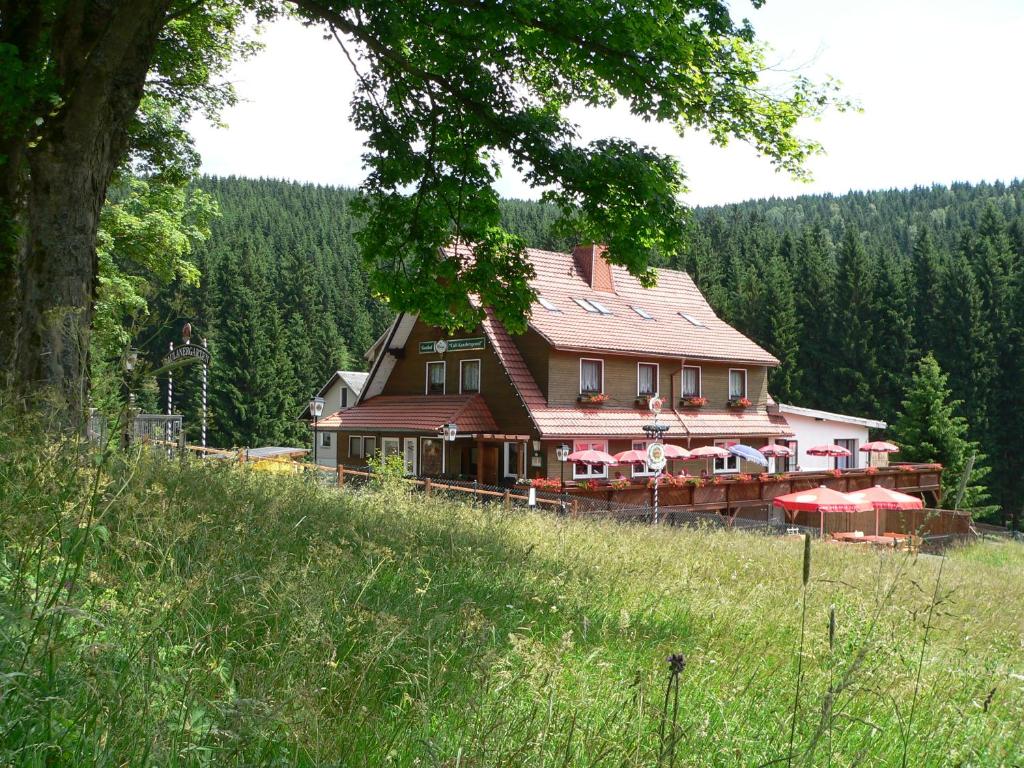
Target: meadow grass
(164, 614)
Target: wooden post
(341, 475)
(575, 507)
(508, 500)
(426, 486)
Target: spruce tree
(929, 429)
(892, 328)
(928, 266)
(783, 328)
(815, 301)
(854, 381)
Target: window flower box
(738, 402)
(587, 485)
(592, 398)
(620, 484)
(693, 401)
(546, 484)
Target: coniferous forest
(849, 292)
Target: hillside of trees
(848, 291)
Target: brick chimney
(593, 268)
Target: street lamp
(449, 432)
(562, 454)
(316, 410)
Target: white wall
(327, 457)
(810, 431)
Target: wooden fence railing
(507, 496)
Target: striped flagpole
(205, 373)
(170, 402)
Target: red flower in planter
(693, 401)
(597, 398)
(738, 402)
(743, 477)
(546, 484)
(871, 470)
(620, 484)
(587, 485)
(836, 472)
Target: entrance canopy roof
(419, 413)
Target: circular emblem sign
(655, 404)
(440, 346)
(656, 456)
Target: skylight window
(547, 305)
(692, 320)
(600, 307)
(642, 312)
(587, 306)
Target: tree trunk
(101, 52)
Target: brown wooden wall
(620, 379)
(409, 377)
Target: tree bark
(101, 52)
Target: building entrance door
(488, 459)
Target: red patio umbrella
(776, 451)
(821, 500)
(886, 498)
(828, 450)
(592, 458)
(631, 457)
(710, 452)
(676, 452)
(879, 446)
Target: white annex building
(812, 427)
(339, 393)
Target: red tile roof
(416, 413)
(558, 280)
(574, 421)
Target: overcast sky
(939, 82)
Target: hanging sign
(441, 346)
(189, 352)
(656, 458)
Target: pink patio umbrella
(879, 446)
(828, 450)
(676, 452)
(776, 451)
(710, 452)
(886, 498)
(592, 458)
(821, 500)
(632, 457)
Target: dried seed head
(831, 626)
(676, 663)
(807, 558)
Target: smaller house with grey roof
(340, 393)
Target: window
(847, 462)
(435, 378)
(646, 379)
(409, 455)
(512, 451)
(344, 397)
(390, 446)
(791, 462)
(726, 466)
(591, 376)
(692, 320)
(585, 471)
(642, 312)
(325, 439)
(737, 383)
(587, 306)
(549, 306)
(691, 381)
(432, 456)
(469, 376)
(361, 446)
(600, 307)
(641, 470)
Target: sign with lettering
(189, 352)
(441, 346)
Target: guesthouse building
(597, 347)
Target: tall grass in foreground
(159, 614)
